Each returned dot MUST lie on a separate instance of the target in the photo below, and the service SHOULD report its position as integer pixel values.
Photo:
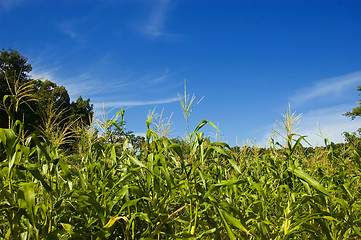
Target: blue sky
(248, 59)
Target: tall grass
(191, 189)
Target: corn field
(168, 189)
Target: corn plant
(191, 189)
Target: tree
(82, 109)
(12, 65)
(47, 92)
(357, 110)
(354, 138)
(15, 81)
(39, 97)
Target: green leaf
(235, 222)
(228, 182)
(357, 230)
(234, 165)
(38, 143)
(201, 124)
(114, 220)
(310, 180)
(67, 227)
(229, 230)
(177, 149)
(129, 203)
(216, 149)
(33, 169)
(29, 195)
(136, 161)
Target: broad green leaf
(201, 124)
(177, 149)
(235, 222)
(67, 227)
(114, 220)
(34, 170)
(225, 224)
(41, 147)
(228, 182)
(136, 161)
(129, 203)
(29, 195)
(310, 180)
(234, 165)
(216, 149)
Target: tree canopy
(357, 110)
(35, 98)
(14, 65)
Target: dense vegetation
(36, 101)
(109, 187)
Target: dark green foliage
(13, 68)
(14, 65)
(35, 98)
(357, 110)
(47, 93)
(81, 109)
(354, 138)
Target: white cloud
(68, 28)
(46, 74)
(84, 83)
(142, 134)
(88, 85)
(327, 87)
(330, 121)
(116, 104)
(111, 89)
(76, 86)
(159, 79)
(155, 25)
(79, 28)
(332, 124)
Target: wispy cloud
(327, 87)
(68, 28)
(159, 79)
(79, 28)
(42, 74)
(81, 83)
(87, 83)
(117, 89)
(99, 105)
(114, 89)
(323, 117)
(155, 24)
